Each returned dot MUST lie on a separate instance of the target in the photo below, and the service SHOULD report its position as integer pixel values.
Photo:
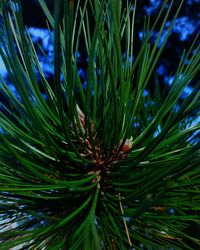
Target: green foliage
(75, 173)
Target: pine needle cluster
(102, 166)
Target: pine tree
(105, 166)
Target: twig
(125, 224)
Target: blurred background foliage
(186, 28)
